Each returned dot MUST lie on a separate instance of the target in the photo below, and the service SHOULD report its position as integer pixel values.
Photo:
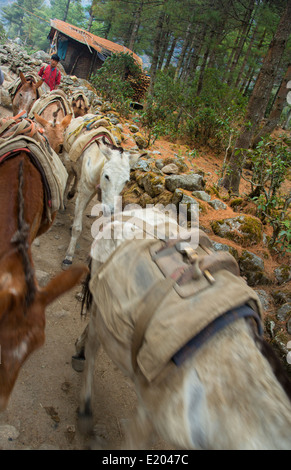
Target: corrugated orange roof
(99, 44)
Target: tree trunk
(135, 27)
(183, 51)
(170, 53)
(240, 74)
(194, 58)
(243, 36)
(259, 99)
(203, 67)
(91, 19)
(66, 10)
(277, 109)
(157, 47)
(247, 81)
(251, 72)
(165, 44)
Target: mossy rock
(183, 168)
(164, 198)
(153, 184)
(140, 140)
(145, 199)
(131, 194)
(212, 190)
(283, 273)
(236, 202)
(244, 230)
(282, 295)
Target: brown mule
(22, 300)
(26, 94)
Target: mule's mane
(111, 146)
(20, 239)
(55, 114)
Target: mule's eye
(107, 177)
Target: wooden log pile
(139, 85)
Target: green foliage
(111, 80)
(209, 118)
(3, 36)
(30, 20)
(270, 162)
(282, 238)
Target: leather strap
(146, 309)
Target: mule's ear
(40, 120)
(38, 84)
(22, 78)
(66, 121)
(63, 282)
(133, 158)
(105, 149)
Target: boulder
(189, 182)
(140, 140)
(244, 230)
(283, 274)
(217, 204)
(170, 169)
(202, 195)
(284, 312)
(252, 267)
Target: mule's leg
(73, 189)
(68, 184)
(138, 430)
(83, 197)
(85, 419)
(78, 360)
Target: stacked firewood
(139, 85)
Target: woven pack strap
(24, 126)
(5, 123)
(145, 310)
(227, 318)
(86, 124)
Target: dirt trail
(42, 409)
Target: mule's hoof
(85, 423)
(78, 363)
(66, 263)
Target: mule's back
(148, 278)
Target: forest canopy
(218, 68)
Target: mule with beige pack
(95, 165)
(177, 319)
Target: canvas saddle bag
(55, 96)
(159, 295)
(17, 133)
(83, 131)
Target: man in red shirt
(50, 73)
